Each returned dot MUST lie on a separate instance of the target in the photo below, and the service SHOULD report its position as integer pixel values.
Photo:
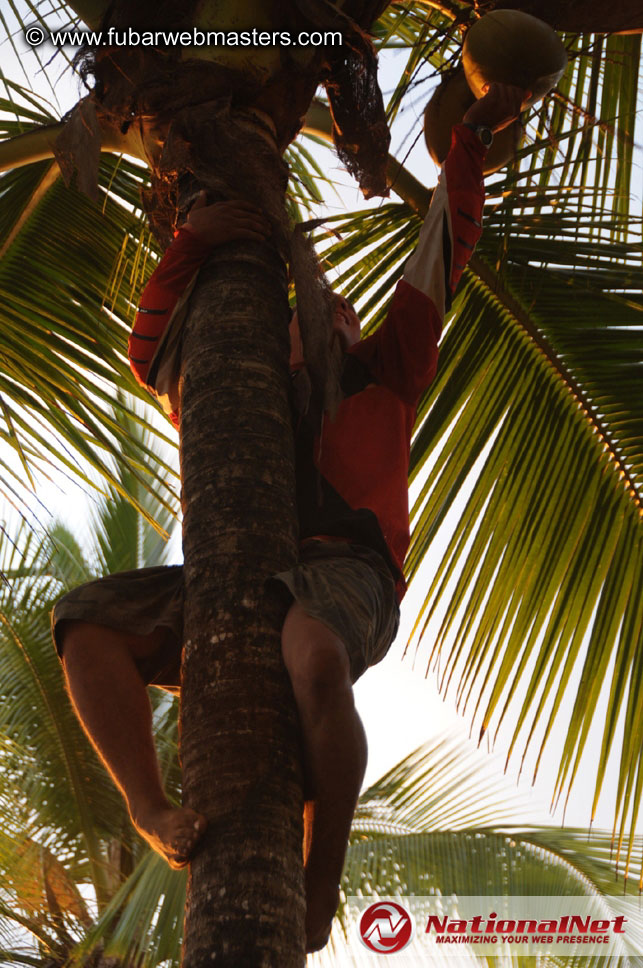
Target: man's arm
(403, 353)
(155, 343)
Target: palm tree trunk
(238, 726)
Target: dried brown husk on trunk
(205, 148)
(360, 131)
(137, 82)
(77, 148)
(324, 356)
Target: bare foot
(173, 832)
(322, 898)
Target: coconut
(513, 47)
(447, 107)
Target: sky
(400, 706)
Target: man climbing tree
(119, 634)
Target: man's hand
(226, 221)
(499, 106)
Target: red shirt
(353, 482)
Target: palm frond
(535, 419)
(56, 772)
(441, 786)
(143, 923)
(400, 849)
(64, 315)
(122, 538)
(582, 134)
(416, 831)
(71, 274)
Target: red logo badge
(385, 927)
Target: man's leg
(335, 751)
(110, 699)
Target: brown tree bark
(238, 726)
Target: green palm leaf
(583, 132)
(537, 396)
(534, 422)
(69, 283)
(55, 794)
(50, 765)
(70, 274)
(405, 843)
(435, 822)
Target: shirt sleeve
(403, 353)
(154, 342)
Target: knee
(319, 671)
(72, 637)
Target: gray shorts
(347, 587)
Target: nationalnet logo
(385, 927)
(568, 929)
(430, 926)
